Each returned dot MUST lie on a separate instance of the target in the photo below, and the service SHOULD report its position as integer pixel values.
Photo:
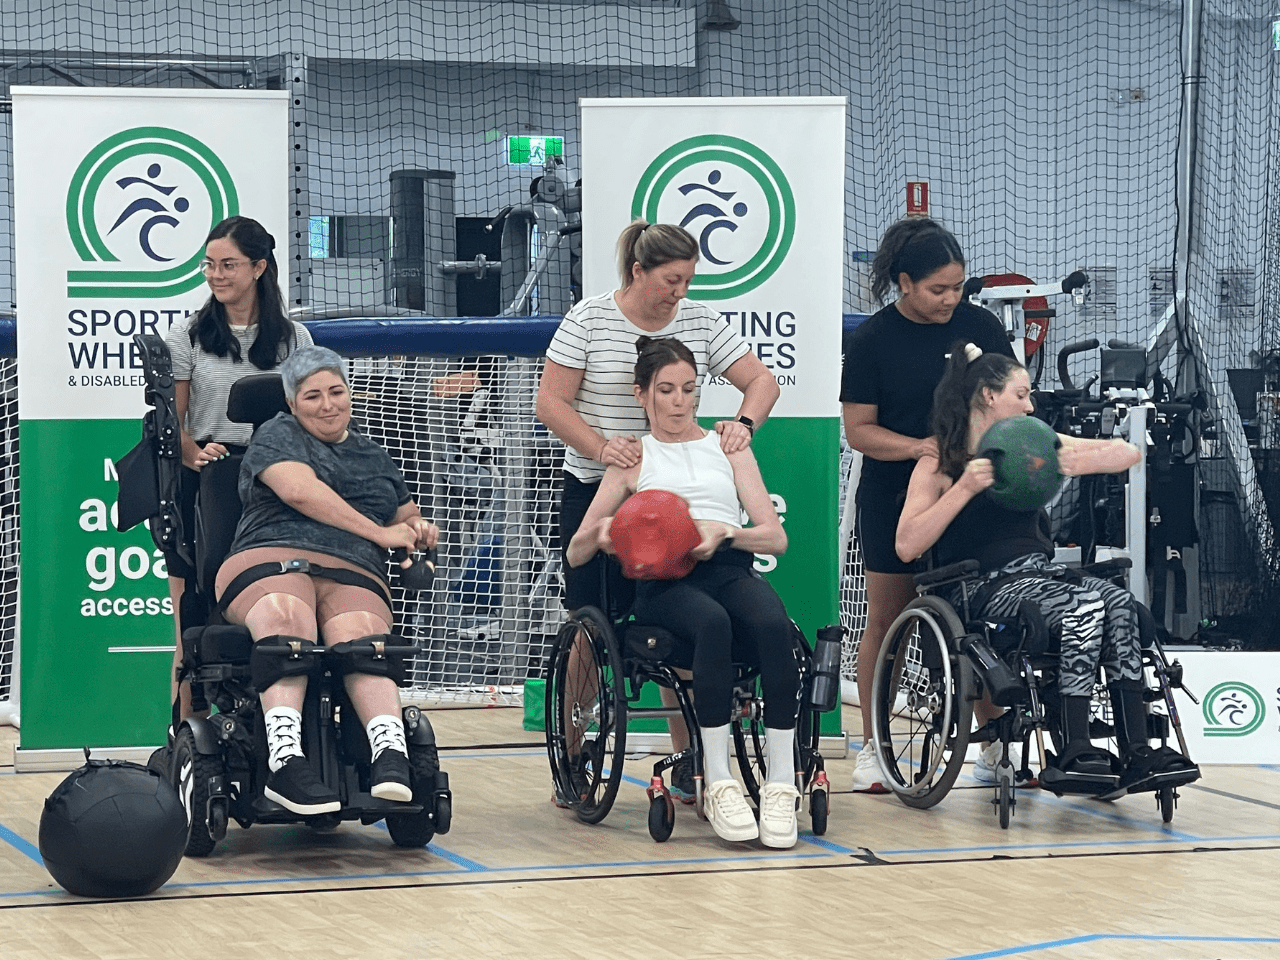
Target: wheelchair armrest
(951, 572)
(1106, 569)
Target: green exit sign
(534, 150)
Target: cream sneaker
(726, 810)
(778, 815)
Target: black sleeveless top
(987, 532)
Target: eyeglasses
(228, 267)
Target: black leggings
(728, 612)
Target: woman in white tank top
(723, 608)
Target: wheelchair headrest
(256, 399)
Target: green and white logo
(734, 198)
(1232, 709)
(141, 203)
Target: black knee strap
(277, 657)
(380, 655)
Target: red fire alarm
(917, 198)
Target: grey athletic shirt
(356, 469)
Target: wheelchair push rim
(586, 715)
(921, 703)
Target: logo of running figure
(734, 198)
(139, 207)
(1233, 709)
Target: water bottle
(825, 689)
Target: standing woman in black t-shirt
(892, 363)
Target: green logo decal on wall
(1232, 709)
(734, 198)
(142, 201)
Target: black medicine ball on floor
(112, 829)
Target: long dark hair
(916, 246)
(968, 370)
(654, 354)
(210, 326)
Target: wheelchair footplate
(1055, 781)
(1169, 779)
(363, 807)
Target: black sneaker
(296, 787)
(682, 785)
(389, 776)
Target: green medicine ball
(1024, 453)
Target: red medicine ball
(652, 535)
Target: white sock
(715, 754)
(386, 732)
(779, 755)
(284, 735)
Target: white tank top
(697, 470)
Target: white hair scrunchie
(972, 352)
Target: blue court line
(1099, 937)
(261, 881)
(1103, 810)
(826, 844)
(999, 847)
(19, 844)
(471, 866)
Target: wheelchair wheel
(921, 706)
(1167, 801)
(1004, 803)
(586, 712)
(662, 818)
(819, 808)
(417, 829)
(192, 771)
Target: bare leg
(372, 696)
(887, 594)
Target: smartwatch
(749, 424)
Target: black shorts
(583, 586)
(876, 527)
(188, 487)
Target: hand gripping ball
(652, 535)
(1024, 454)
(112, 829)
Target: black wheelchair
(936, 661)
(593, 689)
(219, 761)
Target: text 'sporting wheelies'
(593, 691)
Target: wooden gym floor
(516, 877)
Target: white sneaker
(984, 768)
(867, 775)
(726, 810)
(778, 815)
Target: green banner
(96, 620)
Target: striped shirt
(597, 338)
(211, 378)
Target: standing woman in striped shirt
(242, 329)
(585, 397)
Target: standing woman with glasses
(242, 329)
(585, 397)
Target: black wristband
(749, 424)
